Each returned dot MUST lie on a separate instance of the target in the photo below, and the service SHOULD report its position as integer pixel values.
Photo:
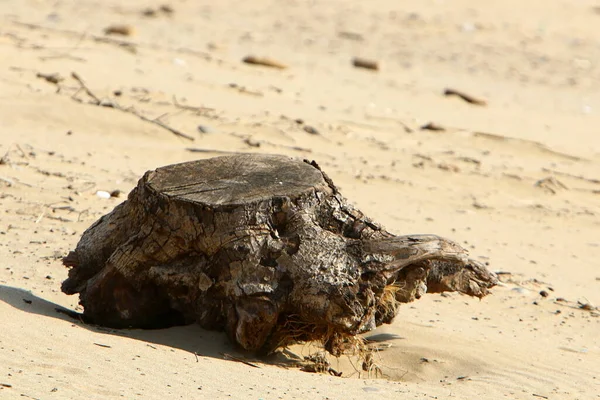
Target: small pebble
(167, 9)
(432, 126)
(366, 64)
(311, 130)
(103, 194)
(122, 30)
(205, 129)
(520, 290)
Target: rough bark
(263, 247)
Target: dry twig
(197, 110)
(264, 61)
(466, 97)
(233, 358)
(84, 87)
(366, 64)
(116, 106)
(51, 78)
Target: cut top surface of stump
(234, 180)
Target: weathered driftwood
(261, 246)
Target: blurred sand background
(517, 180)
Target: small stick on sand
(84, 87)
(232, 358)
(579, 177)
(432, 126)
(198, 150)
(366, 64)
(39, 218)
(116, 106)
(264, 61)
(123, 30)
(197, 110)
(51, 78)
(153, 121)
(468, 98)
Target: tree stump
(261, 246)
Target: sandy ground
(517, 180)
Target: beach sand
(515, 179)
